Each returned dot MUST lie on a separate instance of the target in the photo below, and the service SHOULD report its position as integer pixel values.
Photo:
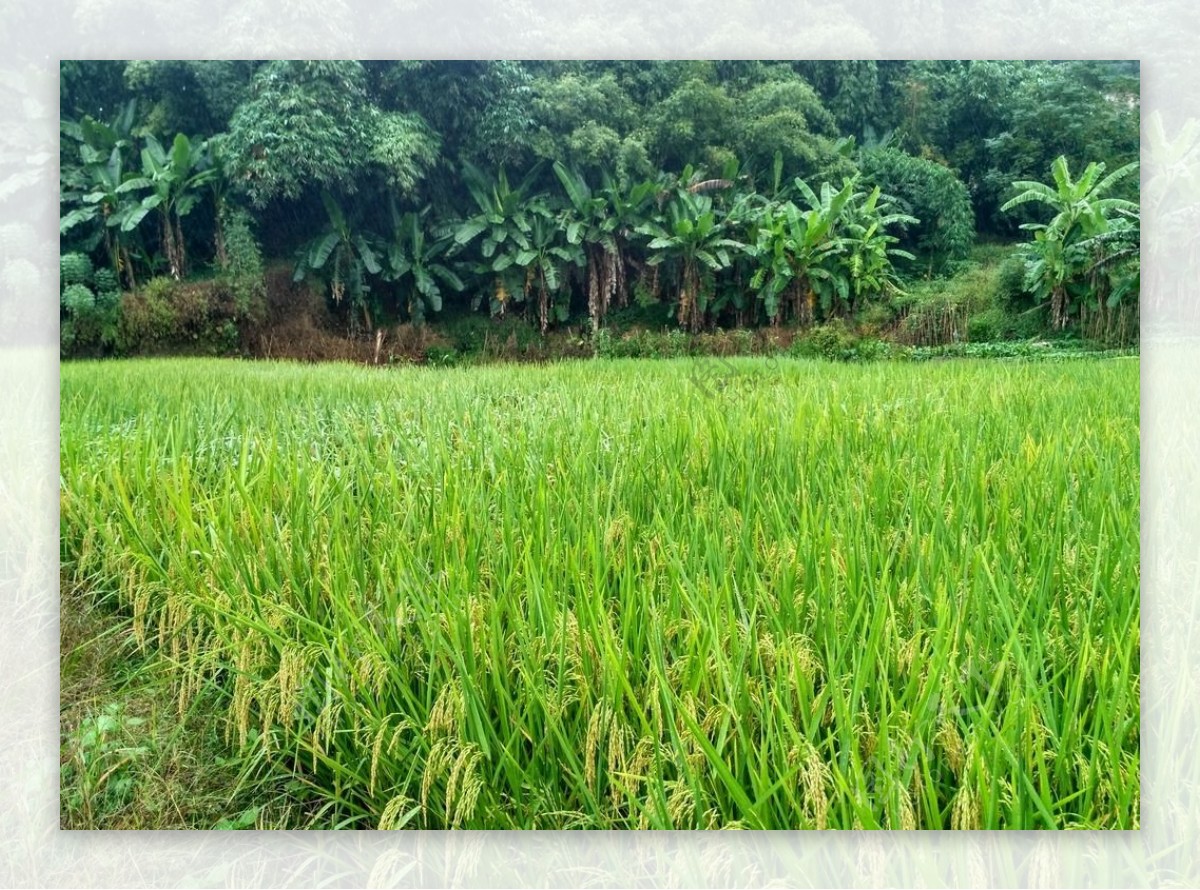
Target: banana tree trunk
(596, 302)
(543, 301)
(123, 252)
(169, 249)
(180, 248)
(114, 252)
(620, 288)
(219, 238)
(1058, 306)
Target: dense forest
(214, 205)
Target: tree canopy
(570, 185)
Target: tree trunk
(114, 254)
(543, 302)
(128, 266)
(596, 306)
(1058, 304)
(620, 282)
(180, 249)
(219, 239)
(168, 240)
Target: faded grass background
(34, 36)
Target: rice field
(635, 594)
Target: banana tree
(1053, 261)
(796, 250)
(211, 157)
(1113, 274)
(503, 225)
(867, 258)
(602, 222)
(175, 178)
(692, 239)
(102, 193)
(746, 218)
(545, 261)
(415, 262)
(588, 224)
(349, 256)
(1115, 265)
(630, 205)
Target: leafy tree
(503, 225)
(588, 124)
(481, 108)
(785, 118)
(187, 95)
(850, 90)
(692, 239)
(305, 123)
(174, 179)
(930, 192)
(794, 249)
(94, 88)
(603, 223)
(404, 149)
(417, 263)
(1057, 258)
(349, 255)
(694, 124)
(100, 193)
(311, 124)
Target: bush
(87, 306)
(1010, 293)
(977, 303)
(832, 340)
(148, 319)
(444, 356)
(933, 194)
(509, 337)
(74, 269)
(244, 271)
(78, 299)
(837, 341)
(990, 324)
(877, 316)
(107, 288)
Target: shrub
(1009, 288)
(934, 195)
(244, 271)
(148, 319)
(87, 306)
(74, 269)
(833, 340)
(107, 288)
(877, 316)
(445, 356)
(78, 299)
(990, 324)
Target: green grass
(758, 593)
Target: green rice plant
(834, 596)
